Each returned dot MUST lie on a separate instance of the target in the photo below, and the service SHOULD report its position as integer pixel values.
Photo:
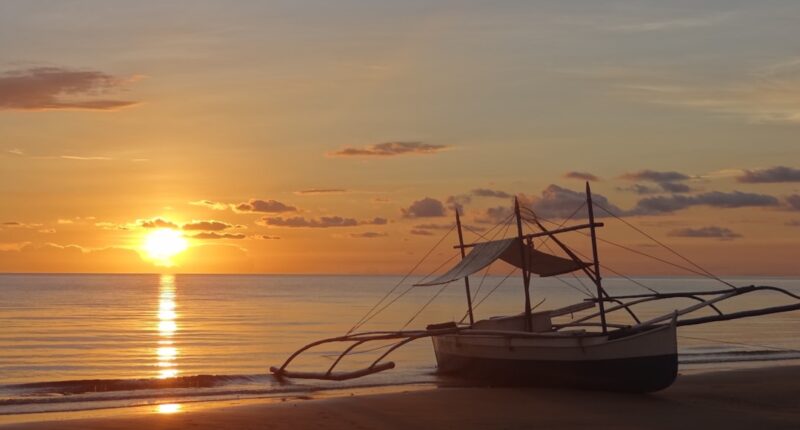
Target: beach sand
(760, 399)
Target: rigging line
(776, 348)
(573, 287)
(437, 268)
(566, 220)
(424, 306)
(585, 290)
(406, 291)
(713, 276)
(483, 236)
(549, 248)
(577, 278)
(454, 256)
(483, 278)
(615, 272)
(688, 269)
(475, 306)
(360, 322)
(495, 288)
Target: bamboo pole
(597, 278)
(466, 278)
(526, 277)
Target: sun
(163, 244)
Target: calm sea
(89, 341)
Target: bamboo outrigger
(529, 348)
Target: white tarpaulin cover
(484, 254)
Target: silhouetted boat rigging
(585, 351)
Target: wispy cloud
(267, 206)
(770, 175)
(302, 222)
(368, 235)
(682, 23)
(389, 149)
(715, 232)
(217, 206)
(58, 88)
(214, 235)
(312, 191)
(581, 176)
(209, 225)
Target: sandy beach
(766, 398)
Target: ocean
(73, 342)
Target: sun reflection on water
(166, 352)
(168, 408)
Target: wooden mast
(526, 277)
(466, 278)
(597, 278)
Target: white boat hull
(642, 362)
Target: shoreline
(733, 399)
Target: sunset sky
(337, 136)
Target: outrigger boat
(531, 348)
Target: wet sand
(746, 399)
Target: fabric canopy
(484, 254)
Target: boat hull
(643, 362)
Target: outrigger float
(585, 352)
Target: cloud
(494, 215)
(268, 206)
(419, 232)
(668, 204)
(156, 223)
(793, 223)
(675, 187)
(267, 237)
(485, 192)
(368, 235)
(375, 221)
(301, 222)
(669, 181)
(210, 225)
(449, 226)
(434, 226)
(771, 175)
(85, 158)
(793, 202)
(558, 202)
(583, 176)
(425, 208)
(389, 149)
(17, 224)
(655, 176)
(312, 191)
(639, 189)
(457, 202)
(214, 235)
(217, 206)
(672, 24)
(706, 232)
(53, 88)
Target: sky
(339, 136)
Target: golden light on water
(168, 408)
(163, 244)
(167, 353)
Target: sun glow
(163, 244)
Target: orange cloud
(56, 88)
(389, 149)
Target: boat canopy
(508, 250)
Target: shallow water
(83, 341)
